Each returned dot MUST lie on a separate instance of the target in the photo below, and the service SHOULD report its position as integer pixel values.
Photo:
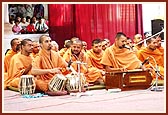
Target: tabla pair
(70, 82)
(58, 83)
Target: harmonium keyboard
(130, 80)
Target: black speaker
(157, 26)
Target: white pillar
(5, 13)
(45, 11)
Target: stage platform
(94, 101)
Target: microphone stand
(150, 37)
(156, 88)
(80, 93)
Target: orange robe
(136, 48)
(33, 55)
(62, 51)
(120, 58)
(161, 49)
(18, 64)
(91, 73)
(7, 59)
(95, 59)
(47, 61)
(156, 54)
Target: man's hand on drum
(56, 71)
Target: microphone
(69, 67)
(145, 61)
(126, 47)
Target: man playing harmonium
(123, 69)
(119, 58)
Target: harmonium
(130, 80)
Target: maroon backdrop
(61, 22)
(90, 21)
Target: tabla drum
(27, 84)
(73, 83)
(57, 83)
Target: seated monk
(67, 45)
(36, 48)
(137, 39)
(95, 55)
(84, 44)
(108, 42)
(153, 54)
(130, 45)
(75, 54)
(55, 46)
(138, 43)
(46, 65)
(15, 47)
(159, 44)
(20, 64)
(104, 44)
(119, 58)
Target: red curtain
(139, 23)
(90, 21)
(61, 22)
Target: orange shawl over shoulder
(161, 49)
(156, 54)
(7, 59)
(120, 58)
(47, 60)
(68, 55)
(62, 51)
(34, 55)
(91, 73)
(18, 64)
(95, 59)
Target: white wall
(153, 11)
(5, 11)
(45, 11)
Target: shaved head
(77, 42)
(41, 39)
